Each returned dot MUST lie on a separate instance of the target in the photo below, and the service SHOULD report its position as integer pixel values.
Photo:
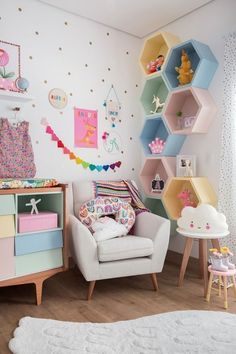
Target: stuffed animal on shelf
(188, 169)
(186, 197)
(185, 70)
(158, 104)
(155, 65)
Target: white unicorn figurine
(158, 104)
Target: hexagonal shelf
(165, 167)
(203, 61)
(155, 128)
(199, 189)
(196, 108)
(158, 44)
(153, 87)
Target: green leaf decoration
(11, 74)
(1, 73)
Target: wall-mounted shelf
(163, 166)
(15, 96)
(156, 128)
(197, 111)
(154, 87)
(200, 191)
(203, 62)
(157, 44)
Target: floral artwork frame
(9, 60)
(181, 165)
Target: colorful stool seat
(221, 275)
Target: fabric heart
(85, 164)
(78, 160)
(54, 137)
(60, 144)
(66, 151)
(105, 167)
(92, 167)
(72, 156)
(49, 130)
(113, 166)
(118, 163)
(99, 168)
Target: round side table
(203, 252)
(222, 275)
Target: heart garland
(72, 156)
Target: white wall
(108, 49)
(208, 25)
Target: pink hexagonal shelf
(164, 168)
(189, 111)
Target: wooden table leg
(215, 243)
(200, 256)
(208, 295)
(187, 251)
(203, 262)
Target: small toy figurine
(226, 254)
(33, 203)
(159, 62)
(185, 70)
(188, 170)
(185, 197)
(216, 259)
(157, 184)
(158, 104)
(155, 65)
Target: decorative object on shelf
(184, 122)
(186, 165)
(203, 219)
(85, 134)
(113, 106)
(58, 98)
(112, 142)
(33, 203)
(22, 84)
(186, 198)
(157, 146)
(227, 254)
(157, 184)
(155, 65)
(185, 70)
(216, 259)
(9, 65)
(158, 104)
(71, 155)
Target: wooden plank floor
(115, 299)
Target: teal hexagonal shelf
(154, 89)
(155, 128)
(203, 63)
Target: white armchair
(141, 253)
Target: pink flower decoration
(4, 57)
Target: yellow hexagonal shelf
(158, 44)
(197, 189)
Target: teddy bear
(185, 70)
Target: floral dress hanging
(113, 106)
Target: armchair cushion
(125, 247)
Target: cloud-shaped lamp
(203, 219)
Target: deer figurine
(158, 104)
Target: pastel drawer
(7, 204)
(7, 226)
(7, 264)
(37, 242)
(45, 220)
(38, 262)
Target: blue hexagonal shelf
(156, 128)
(203, 62)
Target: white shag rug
(182, 332)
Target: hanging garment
(16, 153)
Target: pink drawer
(7, 262)
(45, 220)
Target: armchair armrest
(83, 249)
(156, 228)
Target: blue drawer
(37, 242)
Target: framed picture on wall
(9, 65)
(186, 166)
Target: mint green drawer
(7, 204)
(38, 261)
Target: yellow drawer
(7, 226)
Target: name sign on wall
(57, 98)
(85, 133)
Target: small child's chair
(143, 252)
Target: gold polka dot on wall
(106, 118)
(122, 151)
(99, 156)
(127, 53)
(109, 69)
(66, 23)
(71, 94)
(30, 57)
(45, 81)
(36, 32)
(69, 73)
(61, 112)
(91, 90)
(90, 43)
(120, 120)
(132, 115)
(108, 34)
(125, 91)
(131, 138)
(86, 65)
(136, 85)
(132, 169)
(19, 9)
(103, 80)
(60, 48)
(33, 105)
